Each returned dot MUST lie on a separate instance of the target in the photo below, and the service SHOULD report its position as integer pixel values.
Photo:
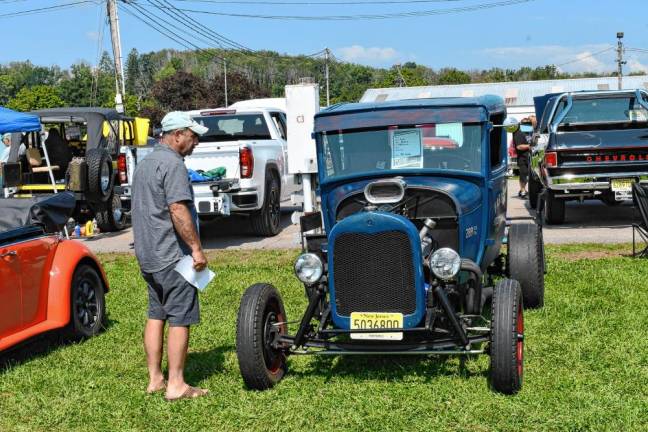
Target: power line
(584, 57)
(318, 3)
(410, 14)
(45, 9)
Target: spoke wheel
(88, 307)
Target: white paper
(199, 279)
(407, 149)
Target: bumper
(589, 182)
(224, 197)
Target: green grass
(586, 364)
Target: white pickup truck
(249, 142)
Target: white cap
(181, 120)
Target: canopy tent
(13, 121)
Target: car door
(35, 257)
(10, 293)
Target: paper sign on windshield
(407, 149)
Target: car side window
(280, 124)
(497, 155)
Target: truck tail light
(551, 159)
(246, 160)
(121, 169)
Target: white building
(518, 95)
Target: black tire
(100, 176)
(526, 262)
(507, 338)
(87, 303)
(554, 212)
(534, 190)
(111, 215)
(267, 221)
(261, 365)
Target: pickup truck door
(287, 182)
(10, 293)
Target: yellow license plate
(624, 185)
(376, 321)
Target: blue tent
(13, 121)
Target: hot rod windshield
(445, 146)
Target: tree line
(165, 80)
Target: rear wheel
(507, 338)
(554, 209)
(534, 191)
(266, 222)
(88, 305)
(526, 262)
(261, 320)
(111, 215)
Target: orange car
(46, 281)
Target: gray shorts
(172, 298)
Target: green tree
(36, 97)
(180, 91)
(7, 88)
(453, 76)
(238, 88)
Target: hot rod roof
(413, 111)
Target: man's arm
(184, 226)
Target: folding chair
(640, 200)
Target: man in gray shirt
(164, 230)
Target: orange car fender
(68, 256)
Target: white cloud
(93, 36)
(586, 58)
(634, 65)
(372, 55)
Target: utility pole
(225, 71)
(117, 55)
(326, 59)
(620, 61)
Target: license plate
(621, 185)
(376, 321)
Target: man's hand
(199, 259)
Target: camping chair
(640, 200)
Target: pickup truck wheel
(554, 209)
(100, 175)
(507, 338)
(261, 319)
(111, 215)
(526, 262)
(87, 303)
(266, 222)
(534, 191)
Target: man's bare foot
(188, 393)
(156, 386)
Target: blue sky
(534, 33)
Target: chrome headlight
(445, 263)
(309, 268)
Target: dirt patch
(592, 255)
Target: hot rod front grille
(373, 273)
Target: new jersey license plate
(621, 185)
(376, 321)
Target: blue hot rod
(406, 255)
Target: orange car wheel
(88, 304)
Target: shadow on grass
(396, 367)
(40, 346)
(202, 365)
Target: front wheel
(535, 187)
(507, 338)
(554, 213)
(87, 303)
(261, 320)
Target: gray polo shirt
(160, 180)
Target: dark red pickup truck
(589, 145)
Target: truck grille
(374, 273)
